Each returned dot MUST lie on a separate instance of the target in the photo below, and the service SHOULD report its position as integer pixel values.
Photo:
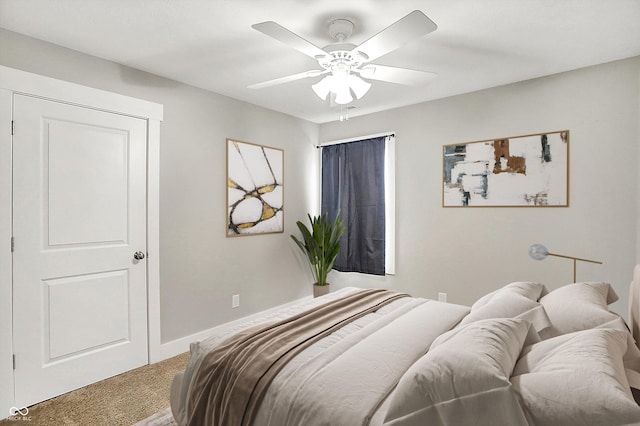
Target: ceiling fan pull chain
(344, 112)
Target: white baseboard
(179, 346)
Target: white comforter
(346, 376)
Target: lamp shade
(538, 251)
(340, 86)
(323, 87)
(358, 85)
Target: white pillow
(509, 303)
(576, 379)
(528, 289)
(581, 306)
(465, 371)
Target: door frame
(14, 81)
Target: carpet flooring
(122, 400)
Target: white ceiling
(210, 43)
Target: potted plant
(321, 245)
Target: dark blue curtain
(353, 184)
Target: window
(358, 180)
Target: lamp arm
(574, 258)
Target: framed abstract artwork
(255, 196)
(519, 171)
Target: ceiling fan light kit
(347, 64)
(341, 84)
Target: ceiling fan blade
(396, 75)
(413, 26)
(285, 36)
(276, 81)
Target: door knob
(138, 255)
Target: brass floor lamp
(539, 252)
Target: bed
(518, 356)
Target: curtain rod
(355, 139)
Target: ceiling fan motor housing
(341, 56)
(339, 60)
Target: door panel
(87, 195)
(80, 309)
(85, 313)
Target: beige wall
(200, 269)
(468, 252)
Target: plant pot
(321, 290)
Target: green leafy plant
(320, 244)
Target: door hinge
(12, 127)
(14, 361)
(13, 244)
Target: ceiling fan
(345, 63)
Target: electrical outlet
(442, 297)
(235, 300)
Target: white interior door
(80, 306)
